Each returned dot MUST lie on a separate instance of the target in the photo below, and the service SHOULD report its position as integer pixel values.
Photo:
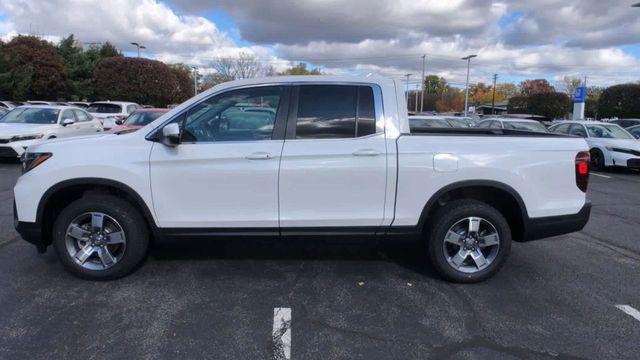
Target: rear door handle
(366, 152)
(259, 156)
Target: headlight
(27, 137)
(624, 151)
(31, 160)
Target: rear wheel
(597, 159)
(469, 241)
(100, 237)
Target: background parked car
(26, 125)
(626, 123)
(420, 121)
(8, 105)
(80, 104)
(108, 112)
(40, 102)
(513, 124)
(138, 119)
(635, 131)
(610, 144)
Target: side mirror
(170, 135)
(66, 122)
(119, 122)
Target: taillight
(582, 170)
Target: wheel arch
(64, 192)
(499, 195)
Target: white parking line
(629, 311)
(604, 176)
(281, 333)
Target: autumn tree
(31, 69)
(569, 84)
(535, 86)
(506, 90)
(184, 88)
(300, 69)
(140, 80)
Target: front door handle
(259, 156)
(366, 152)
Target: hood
(10, 129)
(125, 128)
(632, 144)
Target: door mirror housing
(66, 122)
(170, 135)
(119, 122)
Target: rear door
(334, 165)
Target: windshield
(31, 116)
(525, 126)
(608, 132)
(428, 122)
(104, 108)
(142, 118)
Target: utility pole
(493, 100)
(466, 88)
(195, 80)
(139, 46)
(407, 88)
(417, 92)
(424, 59)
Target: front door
(224, 174)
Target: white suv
(26, 125)
(110, 112)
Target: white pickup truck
(296, 155)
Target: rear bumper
(540, 228)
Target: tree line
(35, 69)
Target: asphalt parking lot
(555, 298)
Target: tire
(461, 246)
(597, 159)
(111, 253)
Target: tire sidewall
(451, 214)
(600, 164)
(129, 219)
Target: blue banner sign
(579, 94)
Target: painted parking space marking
(281, 333)
(629, 311)
(600, 175)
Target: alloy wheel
(95, 241)
(471, 244)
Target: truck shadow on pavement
(407, 253)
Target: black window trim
(281, 127)
(378, 109)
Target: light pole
(139, 46)
(195, 80)
(466, 88)
(406, 94)
(424, 59)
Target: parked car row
(26, 125)
(610, 144)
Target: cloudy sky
(517, 39)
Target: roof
(57, 107)
(152, 110)
(303, 79)
(584, 122)
(506, 119)
(114, 102)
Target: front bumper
(540, 228)
(633, 163)
(15, 149)
(30, 232)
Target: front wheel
(597, 159)
(100, 237)
(468, 241)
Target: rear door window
(335, 112)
